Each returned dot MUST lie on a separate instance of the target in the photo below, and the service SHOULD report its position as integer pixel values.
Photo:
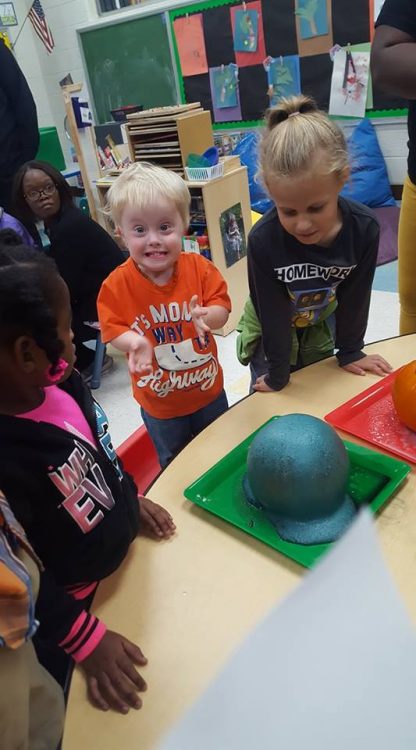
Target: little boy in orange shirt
(160, 306)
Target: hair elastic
(60, 369)
(293, 114)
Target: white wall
(44, 71)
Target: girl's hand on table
(372, 363)
(112, 678)
(155, 520)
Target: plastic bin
(195, 174)
(50, 148)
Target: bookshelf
(167, 135)
(209, 201)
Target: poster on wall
(283, 77)
(349, 83)
(293, 41)
(313, 18)
(225, 82)
(224, 93)
(245, 30)
(255, 54)
(190, 40)
(233, 234)
(8, 15)
(364, 48)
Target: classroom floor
(123, 412)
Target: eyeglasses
(48, 190)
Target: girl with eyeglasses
(83, 251)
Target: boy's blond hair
(142, 185)
(297, 134)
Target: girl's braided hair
(29, 296)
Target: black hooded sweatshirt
(78, 507)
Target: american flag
(38, 21)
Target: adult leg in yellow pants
(407, 259)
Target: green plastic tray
(373, 479)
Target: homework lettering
(300, 271)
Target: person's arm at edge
(393, 61)
(273, 309)
(20, 96)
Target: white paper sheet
(348, 98)
(332, 668)
(378, 4)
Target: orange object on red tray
(404, 395)
(372, 416)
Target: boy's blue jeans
(169, 436)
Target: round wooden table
(188, 602)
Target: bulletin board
(238, 59)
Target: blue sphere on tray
(297, 473)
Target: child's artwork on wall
(224, 93)
(245, 30)
(366, 47)
(233, 235)
(283, 77)
(313, 18)
(225, 81)
(308, 21)
(244, 56)
(302, 32)
(189, 35)
(349, 83)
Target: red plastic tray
(371, 416)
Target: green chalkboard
(129, 63)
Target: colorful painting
(246, 30)
(349, 83)
(221, 113)
(233, 234)
(225, 86)
(283, 77)
(189, 34)
(255, 56)
(313, 18)
(365, 47)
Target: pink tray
(371, 416)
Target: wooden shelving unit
(167, 135)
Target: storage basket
(204, 173)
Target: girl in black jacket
(61, 475)
(83, 251)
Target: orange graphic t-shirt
(186, 375)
